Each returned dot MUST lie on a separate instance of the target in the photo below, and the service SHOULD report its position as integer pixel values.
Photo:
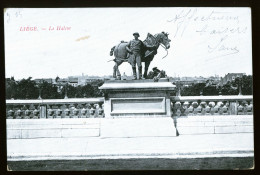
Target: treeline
(231, 88)
(28, 89)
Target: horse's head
(163, 38)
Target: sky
(204, 41)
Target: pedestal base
(138, 127)
(137, 98)
(137, 108)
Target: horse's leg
(118, 63)
(147, 63)
(115, 69)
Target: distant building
(41, 80)
(230, 77)
(93, 78)
(63, 81)
(187, 81)
(73, 81)
(85, 79)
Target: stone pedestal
(138, 99)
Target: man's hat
(136, 33)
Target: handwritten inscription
(221, 47)
(184, 18)
(227, 30)
(217, 26)
(10, 16)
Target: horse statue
(121, 54)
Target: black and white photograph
(129, 88)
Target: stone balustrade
(212, 105)
(94, 107)
(55, 108)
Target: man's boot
(134, 72)
(139, 72)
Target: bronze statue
(137, 51)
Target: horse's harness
(160, 44)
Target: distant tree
(10, 88)
(210, 90)
(26, 89)
(246, 83)
(87, 91)
(193, 90)
(96, 84)
(71, 91)
(49, 91)
(227, 89)
(57, 78)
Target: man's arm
(128, 47)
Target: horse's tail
(112, 50)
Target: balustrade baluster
(212, 105)
(96, 107)
(195, 106)
(50, 112)
(207, 108)
(92, 110)
(249, 108)
(19, 112)
(67, 111)
(225, 108)
(185, 105)
(87, 107)
(83, 111)
(75, 111)
(199, 109)
(35, 112)
(240, 108)
(244, 105)
(27, 112)
(203, 105)
(58, 111)
(190, 109)
(216, 109)
(10, 112)
(220, 105)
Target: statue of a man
(135, 47)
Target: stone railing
(55, 108)
(212, 105)
(94, 107)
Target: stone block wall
(215, 124)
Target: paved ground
(185, 146)
(217, 151)
(227, 163)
